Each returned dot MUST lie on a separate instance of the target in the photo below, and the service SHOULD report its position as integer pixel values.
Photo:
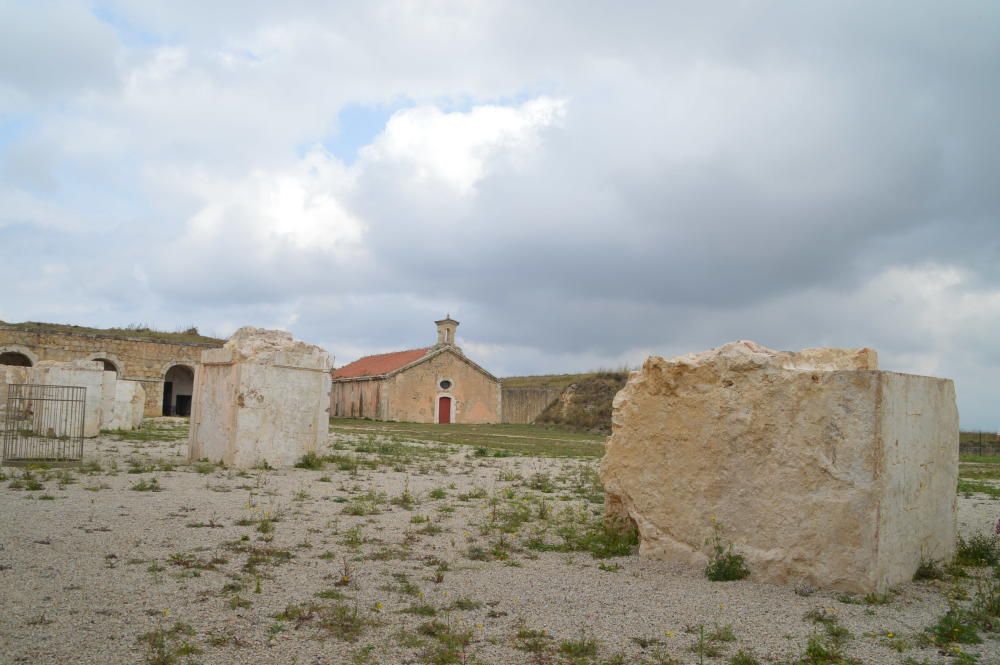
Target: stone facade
(133, 358)
(263, 397)
(816, 466)
(415, 386)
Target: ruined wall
(357, 398)
(263, 397)
(523, 405)
(90, 375)
(137, 359)
(412, 395)
(817, 466)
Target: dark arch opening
(178, 389)
(14, 358)
(109, 366)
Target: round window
(445, 384)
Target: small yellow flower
(668, 633)
(166, 612)
(890, 634)
(378, 606)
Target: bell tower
(446, 331)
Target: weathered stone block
(263, 397)
(819, 467)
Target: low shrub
(979, 550)
(724, 564)
(310, 461)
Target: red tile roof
(377, 365)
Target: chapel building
(436, 384)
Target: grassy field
(979, 474)
(502, 439)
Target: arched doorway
(178, 387)
(14, 358)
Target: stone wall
(136, 359)
(818, 467)
(523, 405)
(412, 395)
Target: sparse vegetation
(147, 485)
(405, 512)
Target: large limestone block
(80, 373)
(819, 467)
(263, 397)
(128, 406)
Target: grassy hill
(560, 381)
(134, 331)
(585, 402)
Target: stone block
(263, 397)
(817, 466)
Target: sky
(581, 185)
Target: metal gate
(43, 423)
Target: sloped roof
(379, 364)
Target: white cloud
(454, 148)
(298, 206)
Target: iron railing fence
(43, 423)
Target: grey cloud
(50, 51)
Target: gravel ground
(203, 567)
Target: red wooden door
(444, 410)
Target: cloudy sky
(580, 184)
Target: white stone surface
(818, 467)
(109, 383)
(129, 403)
(263, 397)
